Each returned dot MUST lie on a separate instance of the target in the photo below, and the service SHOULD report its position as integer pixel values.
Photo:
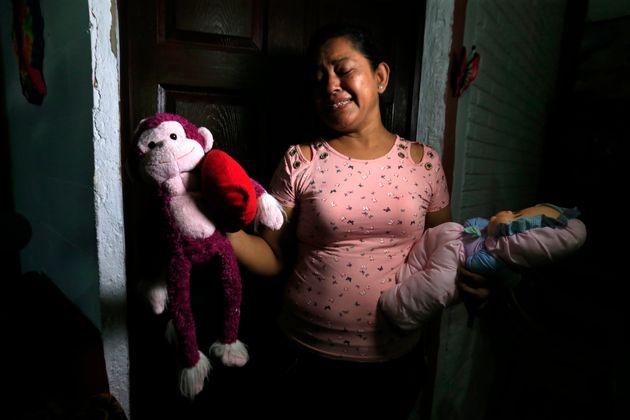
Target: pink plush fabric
(538, 246)
(186, 251)
(426, 283)
(171, 153)
(171, 149)
(155, 120)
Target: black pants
(315, 387)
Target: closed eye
(343, 72)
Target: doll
(498, 247)
(201, 194)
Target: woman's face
(508, 216)
(346, 88)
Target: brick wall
(501, 118)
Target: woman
(356, 200)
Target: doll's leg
(229, 349)
(195, 366)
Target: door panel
(223, 24)
(229, 114)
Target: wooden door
(234, 67)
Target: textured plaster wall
(435, 60)
(108, 194)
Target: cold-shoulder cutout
(306, 151)
(417, 152)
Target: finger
(472, 278)
(480, 293)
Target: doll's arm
(269, 211)
(426, 283)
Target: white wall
(108, 205)
(501, 119)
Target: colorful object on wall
(28, 43)
(465, 71)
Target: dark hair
(360, 37)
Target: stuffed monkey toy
(203, 193)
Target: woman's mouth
(341, 104)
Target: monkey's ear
(139, 128)
(207, 135)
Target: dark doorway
(564, 353)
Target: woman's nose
(332, 83)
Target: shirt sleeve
(285, 178)
(441, 197)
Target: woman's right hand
(262, 254)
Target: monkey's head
(168, 145)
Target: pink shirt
(356, 222)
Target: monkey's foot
(191, 379)
(234, 354)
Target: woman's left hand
(472, 285)
(475, 291)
